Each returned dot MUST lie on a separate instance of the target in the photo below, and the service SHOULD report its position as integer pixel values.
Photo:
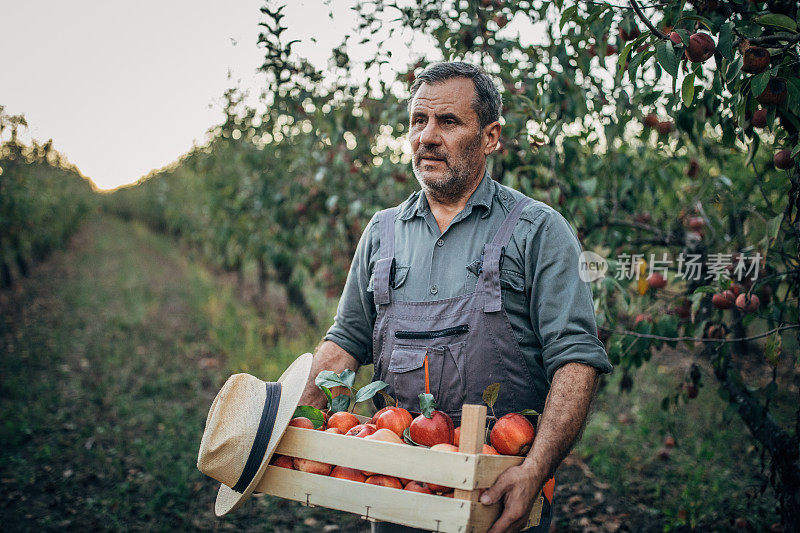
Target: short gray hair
(488, 102)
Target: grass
(113, 352)
(707, 480)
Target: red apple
(385, 435)
(416, 486)
(641, 317)
(313, 467)
(362, 430)
(512, 434)
(783, 160)
(747, 304)
(759, 119)
(701, 48)
(342, 472)
(395, 419)
(343, 421)
(723, 300)
(489, 450)
(301, 422)
(431, 431)
(657, 281)
(457, 435)
(385, 481)
(284, 461)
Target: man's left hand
(517, 488)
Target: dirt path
(106, 376)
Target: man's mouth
(429, 159)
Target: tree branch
(646, 21)
(697, 339)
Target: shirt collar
(417, 204)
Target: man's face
(449, 148)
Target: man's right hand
(329, 356)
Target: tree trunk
(783, 448)
(294, 293)
(5, 274)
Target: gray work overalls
(468, 340)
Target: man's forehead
(452, 95)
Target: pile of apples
(513, 434)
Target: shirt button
(434, 289)
(440, 242)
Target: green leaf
(684, 36)
(777, 20)
(328, 395)
(733, 69)
(312, 413)
(567, 15)
(759, 82)
(490, 394)
(427, 404)
(705, 289)
(623, 58)
(665, 55)
(725, 40)
(529, 412)
(409, 440)
(702, 20)
(687, 89)
(329, 378)
(752, 149)
(340, 403)
(796, 150)
(773, 227)
(387, 398)
(368, 391)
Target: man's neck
(445, 211)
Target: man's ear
(491, 136)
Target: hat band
(262, 437)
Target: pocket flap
(407, 358)
(400, 274)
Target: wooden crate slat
(450, 469)
(489, 468)
(369, 501)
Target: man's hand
(329, 356)
(517, 488)
(564, 415)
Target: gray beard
(453, 188)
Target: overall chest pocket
(446, 379)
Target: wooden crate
(467, 471)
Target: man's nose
(430, 134)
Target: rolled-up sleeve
(355, 314)
(562, 311)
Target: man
(469, 283)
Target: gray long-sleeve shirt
(549, 307)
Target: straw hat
(245, 423)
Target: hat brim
(293, 382)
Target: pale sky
(123, 88)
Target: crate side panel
(450, 469)
(369, 501)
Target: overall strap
(492, 254)
(383, 267)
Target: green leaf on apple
(329, 378)
(427, 404)
(388, 398)
(312, 413)
(340, 403)
(407, 438)
(490, 394)
(529, 412)
(328, 395)
(368, 391)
